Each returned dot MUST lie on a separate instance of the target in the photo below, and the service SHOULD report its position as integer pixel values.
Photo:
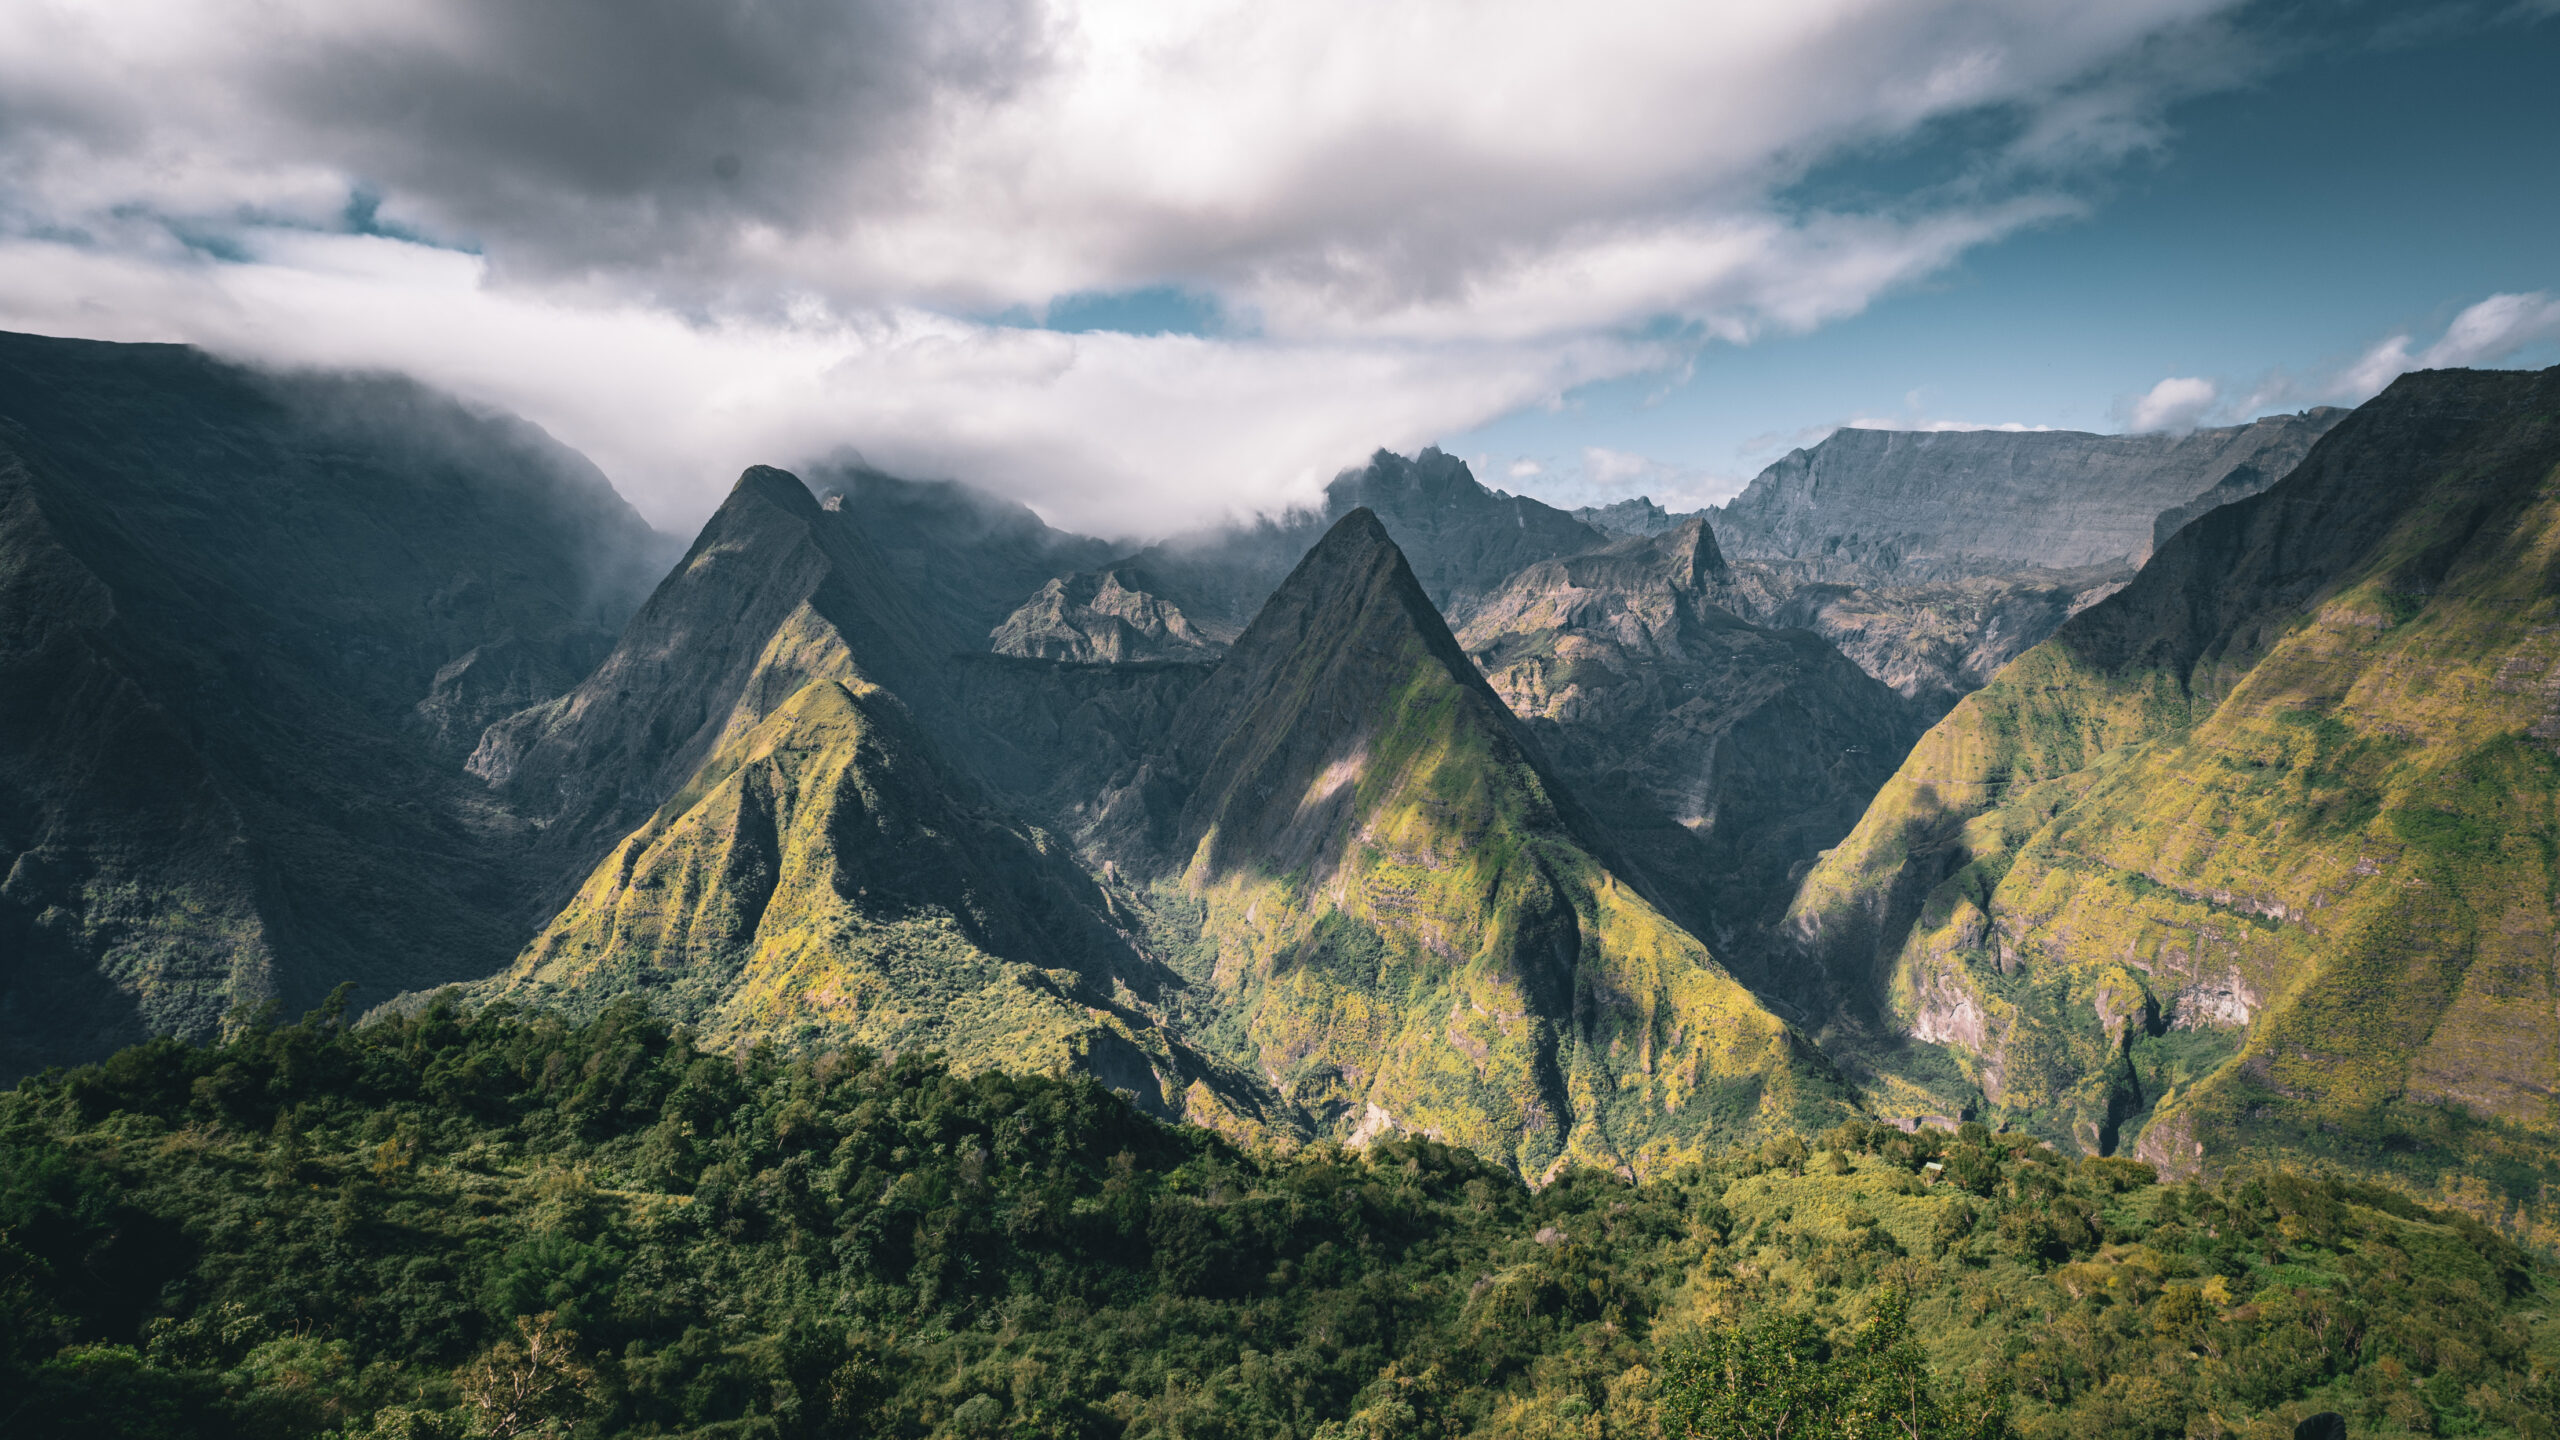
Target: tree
(533, 1388)
(1777, 1376)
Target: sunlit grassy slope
(2260, 854)
(822, 881)
(1407, 928)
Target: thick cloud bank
(690, 235)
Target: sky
(1147, 266)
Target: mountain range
(2183, 796)
(1933, 558)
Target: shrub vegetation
(496, 1223)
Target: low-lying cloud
(685, 237)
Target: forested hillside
(495, 1224)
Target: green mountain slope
(248, 623)
(692, 670)
(824, 874)
(1403, 921)
(2261, 852)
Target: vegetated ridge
(2257, 855)
(818, 870)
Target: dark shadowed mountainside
(1723, 756)
(1462, 540)
(248, 624)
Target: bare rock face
(1636, 516)
(1933, 643)
(1101, 618)
(1725, 756)
(1934, 558)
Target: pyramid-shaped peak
(1354, 564)
(1359, 531)
(1696, 559)
(773, 486)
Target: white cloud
(2179, 403)
(2484, 334)
(705, 232)
(1107, 432)
(2492, 332)
(1600, 475)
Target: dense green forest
(496, 1223)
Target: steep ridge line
(823, 873)
(1407, 925)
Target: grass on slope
(2342, 858)
(1442, 957)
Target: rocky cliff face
(1103, 617)
(1911, 506)
(1725, 756)
(1932, 643)
(250, 623)
(1934, 558)
(1638, 517)
(2254, 853)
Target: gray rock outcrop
(1913, 506)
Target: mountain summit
(814, 862)
(1410, 924)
